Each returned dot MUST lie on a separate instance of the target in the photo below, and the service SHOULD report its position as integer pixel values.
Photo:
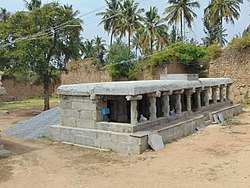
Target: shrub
(214, 51)
(241, 42)
(188, 54)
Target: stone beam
(134, 98)
(156, 94)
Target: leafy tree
(154, 30)
(227, 9)
(119, 59)
(33, 4)
(42, 43)
(110, 17)
(180, 11)
(129, 20)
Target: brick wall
(234, 64)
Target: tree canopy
(42, 42)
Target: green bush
(241, 42)
(159, 58)
(214, 51)
(188, 54)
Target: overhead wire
(60, 25)
(47, 31)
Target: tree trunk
(221, 31)
(129, 35)
(111, 39)
(151, 43)
(46, 91)
(181, 28)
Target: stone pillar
(206, 97)
(133, 108)
(188, 94)
(214, 94)
(198, 98)
(166, 106)
(221, 93)
(228, 92)
(152, 104)
(178, 105)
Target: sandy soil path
(216, 157)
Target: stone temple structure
(3, 152)
(120, 115)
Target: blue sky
(91, 28)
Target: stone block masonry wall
(84, 72)
(78, 111)
(18, 91)
(118, 142)
(87, 72)
(235, 64)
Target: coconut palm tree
(219, 9)
(70, 8)
(88, 48)
(100, 48)
(4, 15)
(154, 29)
(110, 17)
(180, 11)
(33, 4)
(212, 31)
(137, 44)
(130, 19)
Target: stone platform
(136, 142)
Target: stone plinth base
(136, 142)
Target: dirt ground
(219, 156)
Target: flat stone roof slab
(138, 87)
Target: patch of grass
(29, 103)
